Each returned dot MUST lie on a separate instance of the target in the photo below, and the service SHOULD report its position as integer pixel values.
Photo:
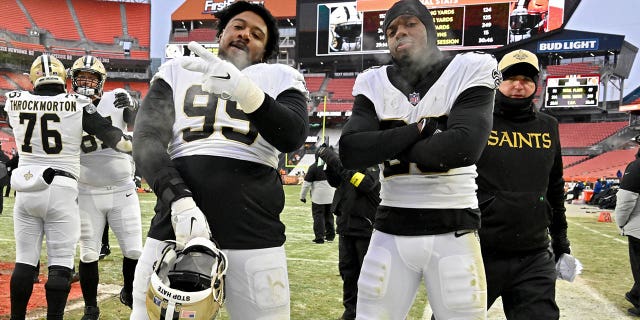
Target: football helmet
(47, 69)
(87, 86)
(188, 284)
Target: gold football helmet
(88, 85)
(47, 69)
(188, 284)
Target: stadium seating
(5, 84)
(99, 28)
(587, 134)
(138, 25)
(141, 87)
(604, 165)
(62, 26)
(335, 106)
(573, 68)
(568, 161)
(28, 46)
(21, 79)
(314, 82)
(340, 88)
(10, 11)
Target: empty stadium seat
(99, 28)
(587, 134)
(341, 88)
(138, 17)
(62, 26)
(604, 165)
(314, 82)
(10, 11)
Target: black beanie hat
(408, 7)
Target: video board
(334, 28)
(572, 91)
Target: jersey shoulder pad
(479, 69)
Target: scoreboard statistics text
(572, 91)
(347, 28)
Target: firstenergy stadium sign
(211, 7)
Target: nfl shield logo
(414, 98)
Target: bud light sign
(568, 45)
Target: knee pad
(463, 278)
(131, 254)
(59, 279)
(374, 274)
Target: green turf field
(316, 287)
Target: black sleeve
(364, 144)
(95, 124)
(129, 116)
(151, 136)
(555, 190)
(461, 144)
(283, 122)
(333, 175)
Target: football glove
(188, 221)
(568, 267)
(431, 126)
(124, 100)
(124, 145)
(223, 78)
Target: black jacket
(520, 184)
(356, 198)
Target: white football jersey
(208, 125)
(417, 189)
(101, 166)
(48, 129)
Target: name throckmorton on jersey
(52, 106)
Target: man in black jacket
(521, 192)
(354, 203)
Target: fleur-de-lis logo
(28, 175)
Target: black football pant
(634, 260)
(527, 285)
(323, 225)
(351, 251)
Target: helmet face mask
(188, 283)
(88, 76)
(47, 69)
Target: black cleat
(126, 298)
(104, 251)
(318, 241)
(634, 300)
(91, 313)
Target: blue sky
(610, 16)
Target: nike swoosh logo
(227, 77)
(128, 194)
(193, 220)
(459, 234)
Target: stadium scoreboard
(572, 91)
(342, 28)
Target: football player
(425, 119)
(107, 191)
(209, 133)
(48, 127)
